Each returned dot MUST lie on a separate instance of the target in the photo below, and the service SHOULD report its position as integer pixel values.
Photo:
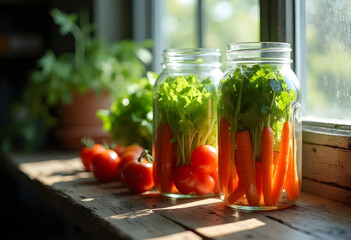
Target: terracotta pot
(79, 120)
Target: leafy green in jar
(189, 107)
(256, 96)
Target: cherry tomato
(205, 183)
(134, 148)
(214, 174)
(119, 149)
(104, 165)
(137, 175)
(127, 157)
(204, 158)
(88, 153)
(185, 179)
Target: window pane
(228, 21)
(180, 23)
(329, 60)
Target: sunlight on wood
(135, 214)
(54, 171)
(87, 199)
(229, 228)
(192, 204)
(177, 236)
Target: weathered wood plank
(327, 171)
(323, 164)
(109, 210)
(326, 190)
(327, 136)
(316, 217)
(93, 206)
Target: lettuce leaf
(189, 107)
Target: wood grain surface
(110, 211)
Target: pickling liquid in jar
(185, 149)
(259, 138)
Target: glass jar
(185, 123)
(259, 138)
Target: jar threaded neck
(192, 56)
(259, 52)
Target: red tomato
(205, 183)
(137, 176)
(88, 153)
(185, 179)
(214, 174)
(119, 149)
(104, 165)
(204, 158)
(134, 148)
(127, 157)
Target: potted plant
(65, 91)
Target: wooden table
(110, 211)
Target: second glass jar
(259, 111)
(185, 123)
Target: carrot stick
(167, 160)
(225, 151)
(236, 194)
(275, 161)
(291, 183)
(234, 175)
(259, 178)
(158, 158)
(246, 167)
(236, 191)
(267, 162)
(282, 164)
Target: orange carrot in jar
(235, 190)
(275, 161)
(282, 164)
(236, 194)
(167, 159)
(259, 178)
(246, 167)
(267, 164)
(158, 158)
(291, 183)
(225, 151)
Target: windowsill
(108, 210)
(326, 160)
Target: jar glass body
(259, 138)
(185, 119)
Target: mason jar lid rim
(259, 46)
(240, 51)
(196, 51)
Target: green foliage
(95, 64)
(254, 97)
(130, 118)
(189, 107)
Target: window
(200, 23)
(230, 21)
(328, 39)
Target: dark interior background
(28, 23)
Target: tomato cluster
(202, 175)
(130, 165)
